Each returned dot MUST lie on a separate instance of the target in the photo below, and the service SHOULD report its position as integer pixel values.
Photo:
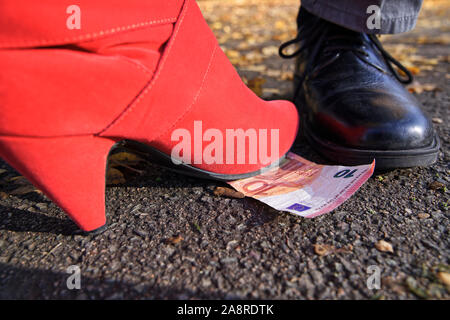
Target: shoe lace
(314, 36)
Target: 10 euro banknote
(303, 187)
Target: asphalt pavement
(170, 237)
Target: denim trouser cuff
(396, 15)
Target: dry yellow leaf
(216, 25)
(423, 215)
(228, 192)
(418, 59)
(444, 277)
(270, 51)
(232, 53)
(255, 85)
(25, 189)
(414, 70)
(243, 45)
(19, 180)
(326, 249)
(283, 36)
(384, 246)
(254, 56)
(436, 185)
(114, 176)
(2, 171)
(271, 91)
(418, 88)
(280, 25)
(255, 68)
(323, 249)
(174, 240)
(125, 157)
(442, 40)
(236, 36)
(285, 75)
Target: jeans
(395, 15)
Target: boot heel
(69, 170)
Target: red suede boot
(150, 72)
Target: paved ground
(238, 248)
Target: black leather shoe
(352, 103)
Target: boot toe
(374, 120)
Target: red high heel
(69, 170)
(67, 98)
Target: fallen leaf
(437, 120)
(418, 88)
(255, 85)
(253, 56)
(25, 189)
(323, 249)
(414, 70)
(273, 73)
(285, 75)
(174, 240)
(233, 244)
(243, 46)
(19, 180)
(125, 158)
(232, 53)
(2, 171)
(441, 40)
(197, 226)
(326, 249)
(270, 51)
(283, 36)
(228, 192)
(114, 176)
(446, 59)
(255, 68)
(436, 185)
(345, 249)
(444, 277)
(3, 195)
(237, 36)
(280, 25)
(423, 215)
(424, 60)
(384, 246)
(217, 25)
(271, 91)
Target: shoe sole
(384, 159)
(160, 158)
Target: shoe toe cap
(375, 120)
